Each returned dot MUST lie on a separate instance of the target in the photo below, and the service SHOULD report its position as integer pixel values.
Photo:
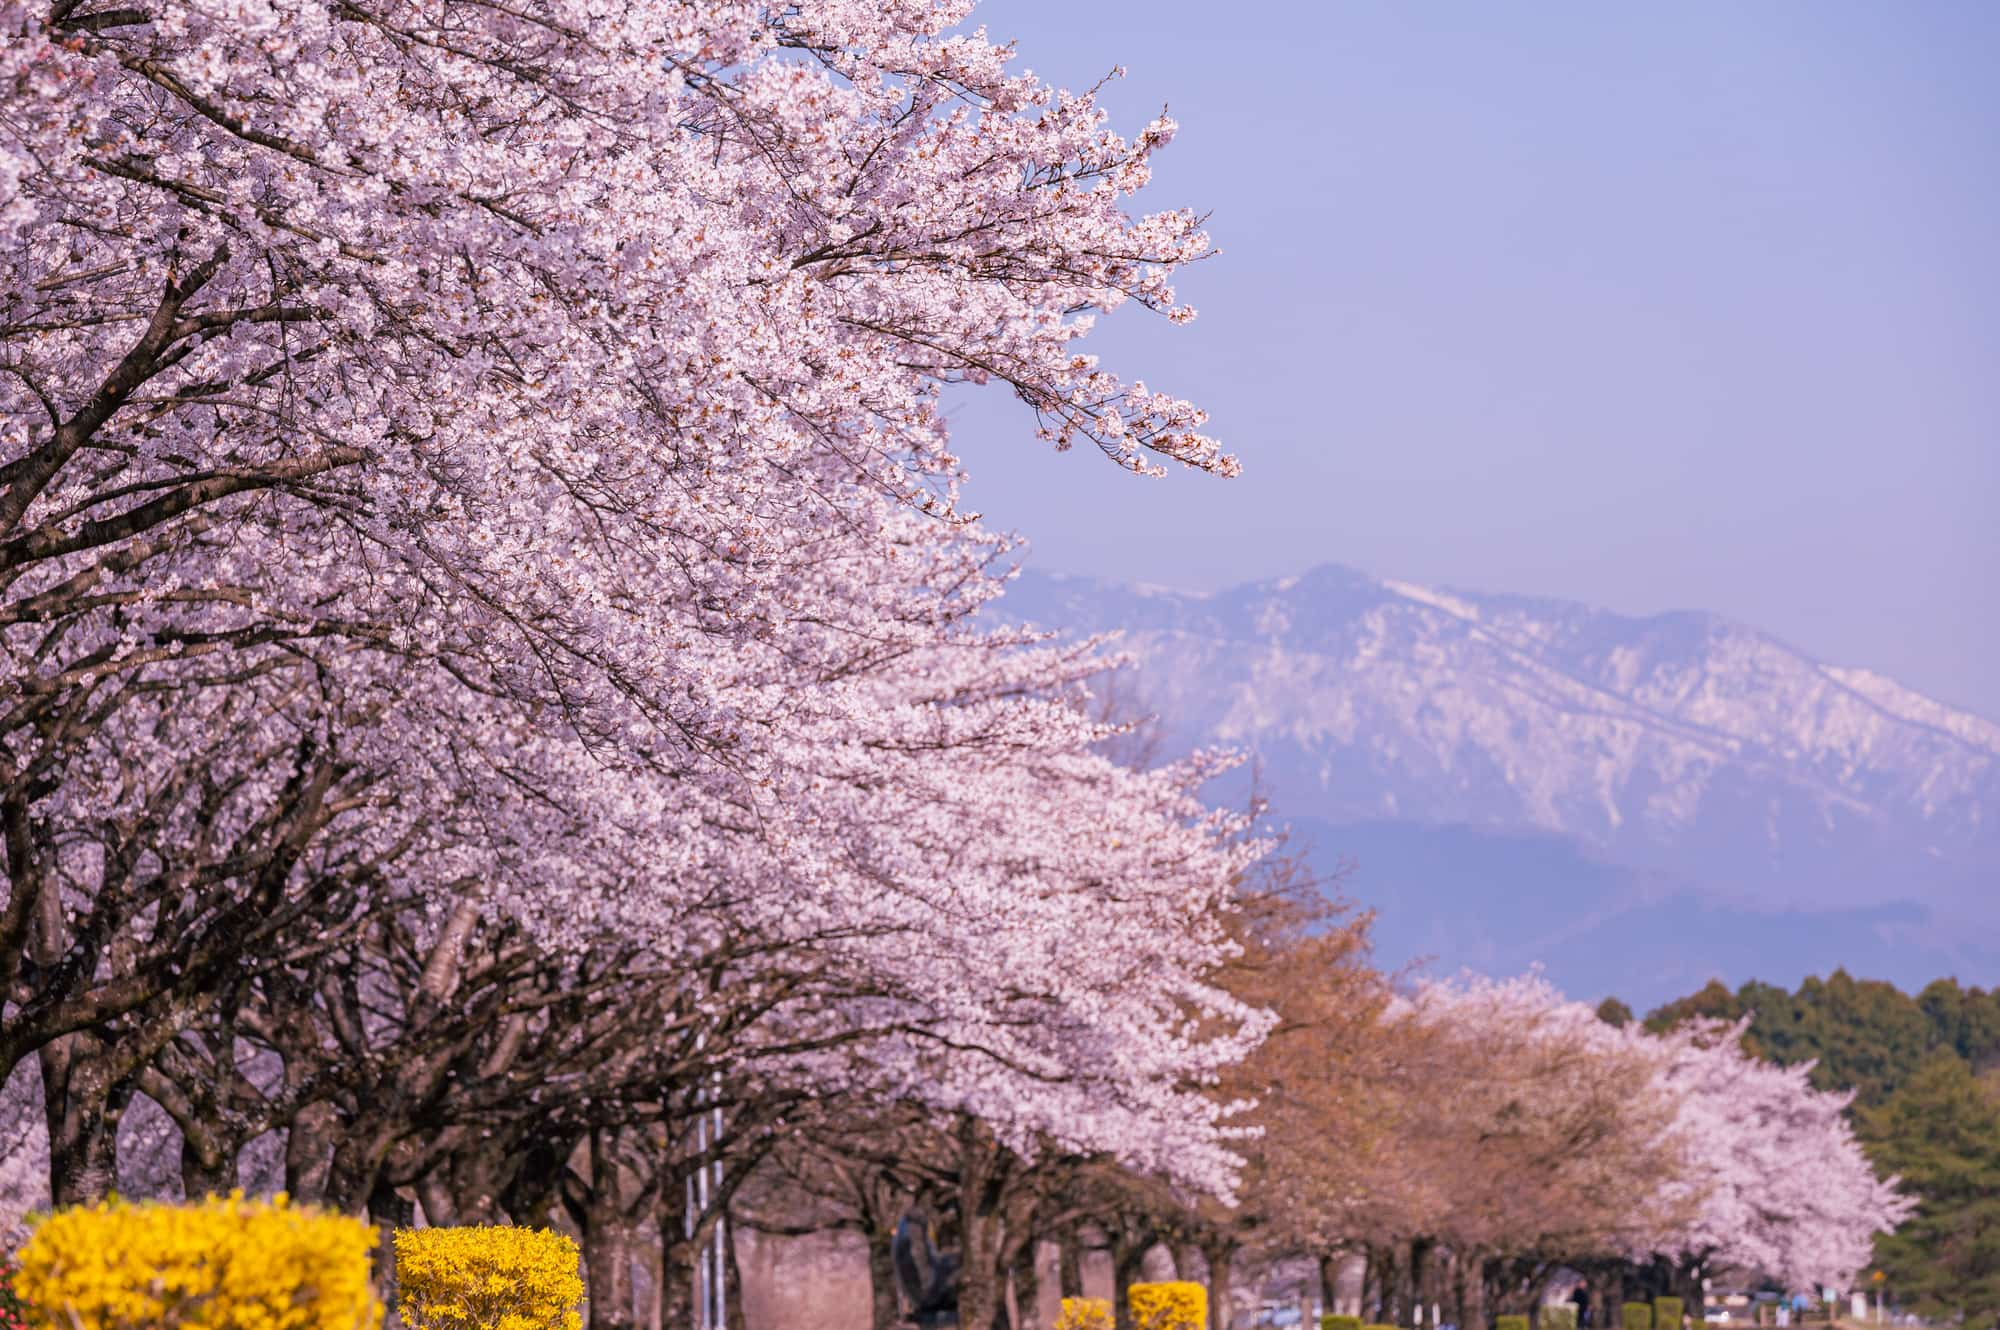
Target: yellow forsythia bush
(220, 1264)
(1085, 1314)
(1175, 1306)
(487, 1279)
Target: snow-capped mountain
(1683, 752)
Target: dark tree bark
(389, 1211)
(677, 1258)
(1128, 1262)
(1027, 1277)
(83, 1102)
(607, 1259)
(979, 1224)
(1418, 1275)
(1220, 1258)
(1690, 1289)
(1386, 1267)
(309, 1153)
(732, 1281)
(1069, 1262)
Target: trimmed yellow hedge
(1330, 1321)
(1085, 1314)
(1180, 1305)
(1636, 1316)
(220, 1264)
(487, 1279)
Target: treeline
(1862, 1035)
(1468, 1145)
(1924, 1072)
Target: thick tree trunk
(981, 1277)
(82, 1108)
(475, 1181)
(389, 1211)
(1128, 1263)
(1069, 1262)
(1027, 1285)
(607, 1262)
(607, 1241)
(1220, 1258)
(1389, 1277)
(354, 1172)
(1452, 1278)
(309, 1153)
(1474, 1284)
(732, 1281)
(1691, 1291)
(1420, 1277)
(677, 1257)
(979, 1289)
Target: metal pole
(704, 1289)
(721, 1218)
(689, 1218)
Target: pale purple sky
(1677, 306)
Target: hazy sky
(1680, 306)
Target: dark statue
(927, 1276)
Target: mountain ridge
(1683, 745)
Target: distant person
(1580, 1295)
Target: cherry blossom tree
(1773, 1178)
(1532, 1135)
(563, 344)
(555, 392)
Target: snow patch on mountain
(1464, 609)
(1679, 741)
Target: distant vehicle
(1277, 1315)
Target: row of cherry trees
(1469, 1141)
(494, 656)
(1465, 1144)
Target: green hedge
(1667, 1313)
(1332, 1322)
(1559, 1316)
(1510, 1323)
(1638, 1316)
